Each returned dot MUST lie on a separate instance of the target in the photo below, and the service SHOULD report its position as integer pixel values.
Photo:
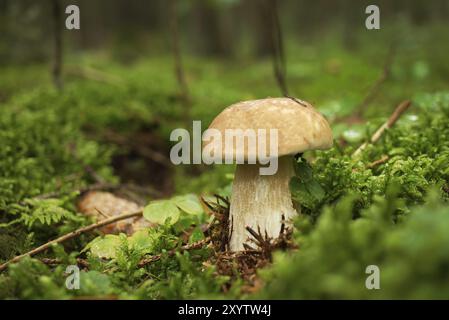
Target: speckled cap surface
(300, 127)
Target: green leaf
(304, 187)
(142, 241)
(104, 247)
(188, 203)
(316, 190)
(162, 211)
(95, 282)
(300, 193)
(303, 170)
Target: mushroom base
(260, 201)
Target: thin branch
(52, 262)
(71, 235)
(400, 109)
(277, 46)
(102, 213)
(377, 162)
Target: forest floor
(108, 131)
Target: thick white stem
(260, 201)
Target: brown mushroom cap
(300, 126)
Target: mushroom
(261, 202)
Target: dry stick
(377, 162)
(51, 262)
(57, 53)
(400, 109)
(375, 87)
(71, 235)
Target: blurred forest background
(95, 107)
(232, 29)
(221, 51)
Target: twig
(102, 213)
(191, 246)
(256, 235)
(51, 262)
(71, 235)
(298, 101)
(377, 162)
(221, 226)
(375, 87)
(277, 46)
(400, 109)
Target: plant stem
(400, 109)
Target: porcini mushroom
(262, 201)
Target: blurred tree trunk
(3, 6)
(208, 32)
(262, 28)
(57, 49)
(3, 14)
(179, 68)
(353, 16)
